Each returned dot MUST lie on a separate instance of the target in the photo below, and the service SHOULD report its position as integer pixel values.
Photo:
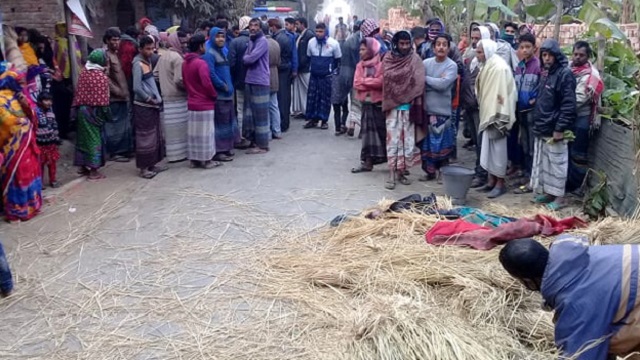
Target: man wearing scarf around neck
(403, 89)
(589, 89)
(325, 57)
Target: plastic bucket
(457, 181)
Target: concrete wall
(613, 150)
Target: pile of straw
(373, 289)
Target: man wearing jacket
(553, 114)
(274, 62)
(301, 82)
(527, 80)
(257, 88)
(592, 289)
(237, 49)
(284, 70)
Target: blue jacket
(527, 79)
(220, 71)
(6, 281)
(591, 297)
(294, 57)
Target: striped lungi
(150, 148)
(550, 167)
(299, 93)
(226, 127)
(256, 122)
(201, 135)
(174, 124)
(118, 130)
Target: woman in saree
(92, 110)
(20, 173)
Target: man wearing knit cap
(592, 289)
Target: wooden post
(601, 52)
(73, 57)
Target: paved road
(131, 268)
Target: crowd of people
(200, 95)
(527, 111)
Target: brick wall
(572, 32)
(399, 20)
(44, 14)
(39, 14)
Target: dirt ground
(136, 269)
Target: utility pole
(73, 57)
(558, 19)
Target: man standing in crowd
(118, 130)
(554, 113)
(274, 62)
(355, 109)
(325, 57)
(527, 82)
(505, 49)
(150, 147)
(174, 115)
(257, 89)
(301, 82)
(589, 88)
(343, 83)
(509, 31)
(284, 70)
(403, 86)
(201, 103)
(341, 32)
(237, 49)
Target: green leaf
(495, 17)
(590, 12)
(609, 29)
(541, 10)
(498, 5)
(513, 3)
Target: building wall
(38, 14)
(44, 14)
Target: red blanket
(460, 232)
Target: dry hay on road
(367, 289)
(373, 289)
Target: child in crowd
(47, 137)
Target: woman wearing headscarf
(91, 105)
(497, 95)
(20, 172)
(174, 116)
(368, 83)
(403, 88)
(226, 126)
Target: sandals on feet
(159, 168)
(427, 177)
(390, 185)
(256, 151)
(324, 126)
(222, 157)
(404, 180)
(147, 174)
(211, 164)
(554, 206)
(497, 192)
(97, 176)
(310, 124)
(360, 169)
(486, 188)
(541, 199)
(524, 189)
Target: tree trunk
(628, 10)
(471, 12)
(558, 19)
(427, 12)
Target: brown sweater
(118, 88)
(169, 74)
